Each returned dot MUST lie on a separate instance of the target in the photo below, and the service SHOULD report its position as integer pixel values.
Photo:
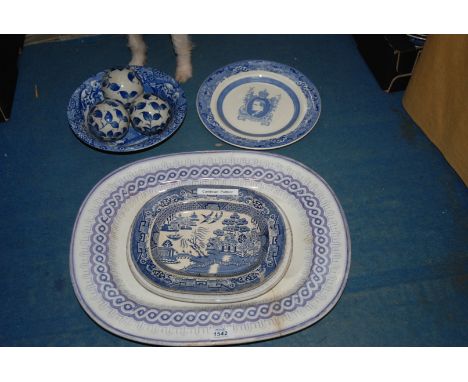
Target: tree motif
(167, 244)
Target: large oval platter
(308, 279)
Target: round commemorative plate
(209, 248)
(89, 93)
(258, 104)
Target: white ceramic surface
(149, 114)
(122, 84)
(312, 284)
(108, 120)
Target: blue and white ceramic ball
(150, 114)
(108, 120)
(122, 85)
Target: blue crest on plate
(259, 106)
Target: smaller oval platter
(144, 210)
(209, 244)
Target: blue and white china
(149, 114)
(89, 93)
(122, 84)
(108, 120)
(209, 244)
(258, 104)
(264, 231)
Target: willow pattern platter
(89, 93)
(258, 104)
(210, 244)
(153, 237)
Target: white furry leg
(183, 49)
(138, 48)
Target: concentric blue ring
(271, 81)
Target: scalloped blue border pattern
(208, 87)
(106, 286)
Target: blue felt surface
(407, 209)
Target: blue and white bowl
(150, 114)
(108, 120)
(122, 85)
(90, 93)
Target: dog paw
(138, 59)
(183, 73)
(137, 62)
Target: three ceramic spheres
(126, 105)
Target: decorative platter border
(308, 89)
(330, 248)
(154, 82)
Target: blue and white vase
(150, 114)
(122, 85)
(108, 120)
